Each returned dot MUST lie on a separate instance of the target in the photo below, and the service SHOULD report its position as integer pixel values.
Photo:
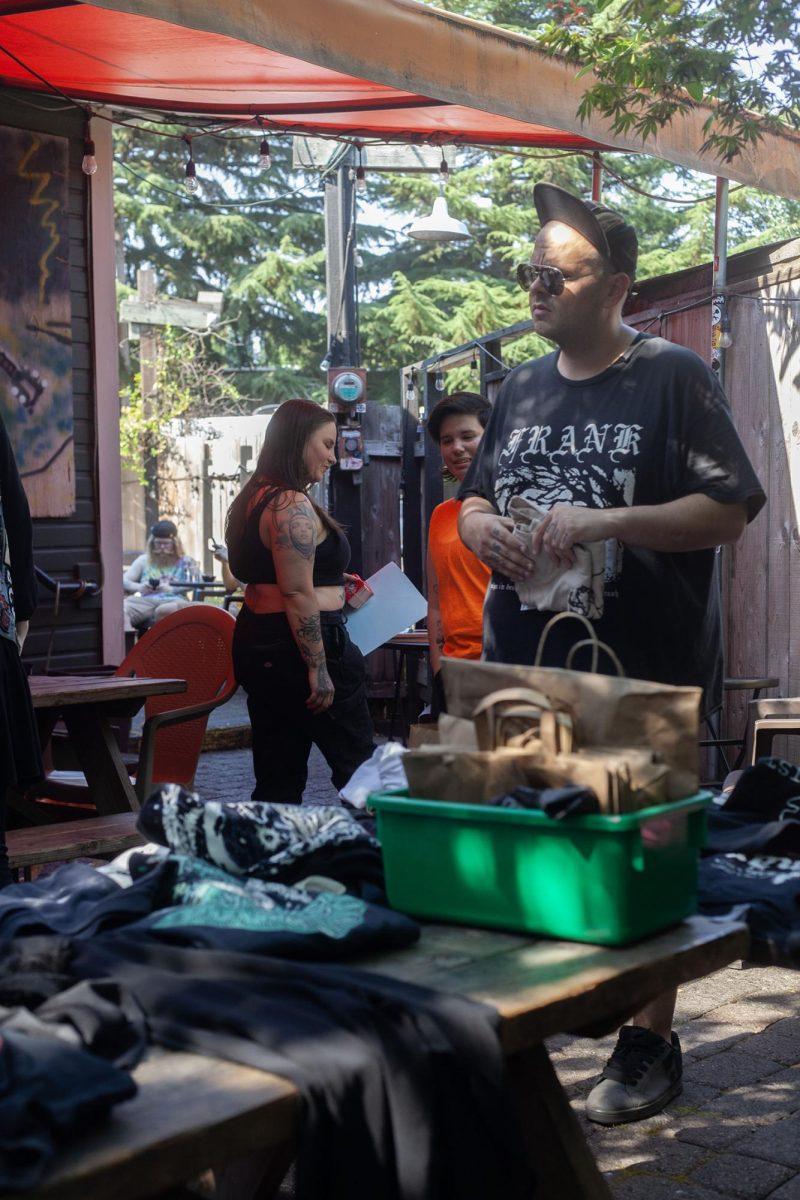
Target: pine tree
(259, 238)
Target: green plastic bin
(602, 879)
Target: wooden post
(411, 488)
(433, 492)
(207, 514)
(146, 293)
(106, 391)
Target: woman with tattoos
(304, 678)
(457, 580)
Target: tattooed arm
(290, 531)
(492, 538)
(435, 630)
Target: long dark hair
(280, 468)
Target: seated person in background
(229, 580)
(153, 575)
(457, 580)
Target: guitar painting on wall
(36, 317)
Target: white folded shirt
(552, 587)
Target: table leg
(743, 748)
(398, 659)
(101, 762)
(564, 1164)
(255, 1178)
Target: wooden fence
(761, 574)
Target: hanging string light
(438, 379)
(473, 366)
(444, 169)
(361, 174)
(190, 182)
(89, 162)
(410, 385)
(264, 156)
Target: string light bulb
(725, 335)
(361, 178)
(190, 182)
(438, 380)
(89, 162)
(264, 156)
(444, 169)
(410, 387)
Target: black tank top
(253, 561)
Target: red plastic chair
(194, 644)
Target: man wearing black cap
(151, 578)
(624, 441)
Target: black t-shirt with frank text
(651, 428)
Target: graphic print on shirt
(590, 465)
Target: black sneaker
(643, 1074)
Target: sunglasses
(552, 278)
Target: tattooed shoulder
(296, 529)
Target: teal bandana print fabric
(204, 895)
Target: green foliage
(652, 59)
(184, 385)
(265, 250)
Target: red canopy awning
(392, 69)
(125, 59)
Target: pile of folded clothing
(751, 866)
(403, 1089)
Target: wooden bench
(95, 837)
(194, 1114)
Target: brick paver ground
(735, 1131)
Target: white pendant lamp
(439, 226)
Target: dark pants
(269, 668)
(5, 871)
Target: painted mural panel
(35, 317)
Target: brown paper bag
(470, 776)
(622, 782)
(423, 735)
(607, 711)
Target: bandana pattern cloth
(282, 843)
(205, 895)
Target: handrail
(74, 589)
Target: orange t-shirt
(463, 580)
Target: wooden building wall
(761, 574)
(65, 545)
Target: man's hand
(566, 524)
(492, 539)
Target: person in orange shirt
(457, 580)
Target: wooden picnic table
(194, 1114)
(87, 704)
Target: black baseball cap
(164, 529)
(608, 232)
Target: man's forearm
(472, 504)
(690, 523)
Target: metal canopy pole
(597, 177)
(720, 317)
